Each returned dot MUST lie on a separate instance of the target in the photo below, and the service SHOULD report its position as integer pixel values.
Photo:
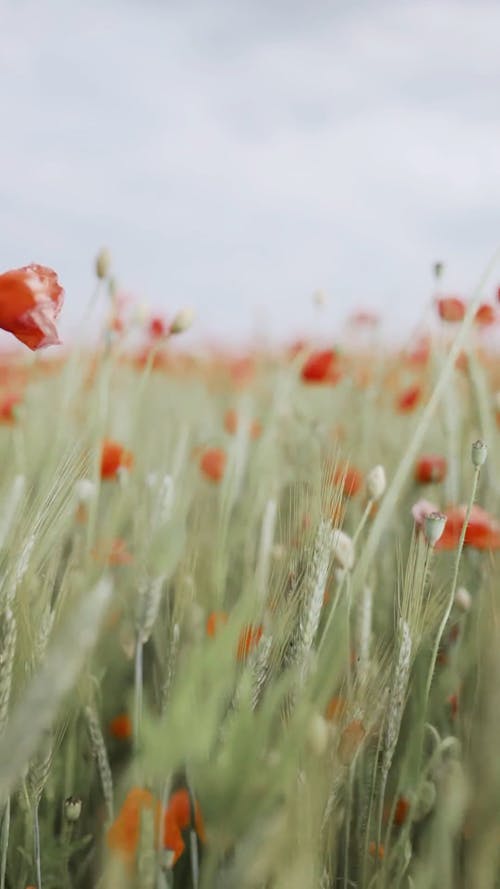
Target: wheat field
(250, 611)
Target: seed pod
(479, 453)
(434, 526)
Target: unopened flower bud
(72, 808)
(343, 549)
(103, 263)
(463, 599)
(434, 526)
(479, 452)
(376, 482)
(438, 269)
(182, 321)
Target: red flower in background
(451, 308)
(157, 327)
(350, 478)
(8, 405)
(409, 399)
(485, 315)
(321, 367)
(120, 727)
(431, 468)
(114, 457)
(483, 531)
(31, 299)
(124, 834)
(213, 464)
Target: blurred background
(238, 155)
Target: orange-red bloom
(409, 399)
(482, 532)
(451, 308)
(8, 413)
(213, 464)
(31, 299)
(249, 638)
(485, 315)
(114, 457)
(124, 834)
(321, 367)
(350, 478)
(431, 468)
(157, 327)
(120, 727)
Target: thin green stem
(453, 588)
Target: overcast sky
(235, 155)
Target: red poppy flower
(401, 810)
(451, 308)
(321, 367)
(215, 620)
(31, 299)
(120, 727)
(213, 464)
(409, 399)
(483, 531)
(124, 834)
(249, 639)
(114, 457)
(157, 327)
(179, 806)
(485, 315)
(431, 468)
(350, 478)
(8, 412)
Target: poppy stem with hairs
(446, 615)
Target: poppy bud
(72, 808)
(438, 269)
(479, 452)
(103, 263)
(434, 526)
(182, 321)
(376, 482)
